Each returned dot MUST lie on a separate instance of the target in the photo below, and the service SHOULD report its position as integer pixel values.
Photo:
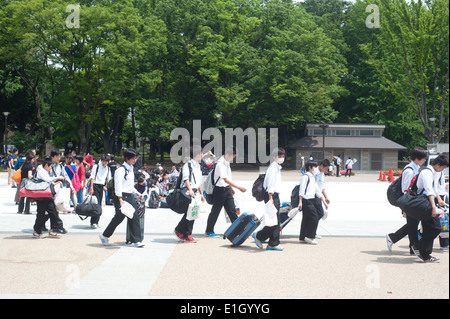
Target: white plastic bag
(62, 199)
(193, 210)
(128, 210)
(325, 212)
(270, 214)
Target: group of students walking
(312, 198)
(431, 182)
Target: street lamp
(6, 132)
(324, 128)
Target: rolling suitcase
(242, 228)
(285, 218)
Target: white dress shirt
(101, 174)
(309, 191)
(408, 174)
(320, 180)
(223, 170)
(124, 184)
(272, 181)
(196, 177)
(44, 175)
(440, 183)
(426, 181)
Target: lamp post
(6, 132)
(324, 128)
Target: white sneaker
(137, 245)
(310, 241)
(318, 237)
(389, 243)
(105, 240)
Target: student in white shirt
(272, 185)
(100, 176)
(124, 192)
(441, 199)
(431, 226)
(310, 198)
(46, 205)
(418, 158)
(191, 179)
(223, 192)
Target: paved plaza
(350, 261)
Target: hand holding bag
(128, 210)
(270, 214)
(193, 210)
(88, 208)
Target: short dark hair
(441, 160)
(105, 157)
(310, 164)
(47, 162)
(130, 153)
(79, 158)
(277, 151)
(54, 153)
(418, 153)
(325, 163)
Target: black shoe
(417, 253)
(60, 231)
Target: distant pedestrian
(46, 207)
(310, 204)
(28, 171)
(100, 176)
(272, 185)
(191, 180)
(223, 192)
(431, 226)
(418, 158)
(124, 192)
(349, 167)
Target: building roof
(347, 142)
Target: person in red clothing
(81, 174)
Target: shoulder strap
(307, 184)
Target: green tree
(411, 57)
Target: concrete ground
(351, 260)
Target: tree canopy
(103, 72)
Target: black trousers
(311, 216)
(431, 228)
(271, 232)
(185, 226)
(98, 193)
(45, 206)
(133, 224)
(222, 197)
(409, 229)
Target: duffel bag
(178, 200)
(88, 208)
(37, 189)
(416, 206)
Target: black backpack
(394, 191)
(258, 190)
(294, 194)
(110, 188)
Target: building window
(367, 133)
(343, 133)
(318, 132)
